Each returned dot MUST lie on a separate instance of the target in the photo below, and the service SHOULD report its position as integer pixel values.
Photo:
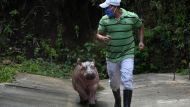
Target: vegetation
(46, 37)
(37, 66)
(7, 73)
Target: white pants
(121, 72)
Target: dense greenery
(37, 66)
(47, 36)
(7, 73)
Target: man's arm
(141, 37)
(103, 36)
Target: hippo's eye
(92, 66)
(83, 68)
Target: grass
(46, 68)
(40, 67)
(184, 71)
(7, 73)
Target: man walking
(116, 30)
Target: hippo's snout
(90, 76)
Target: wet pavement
(150, 90)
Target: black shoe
(117, 98)
(127, 95)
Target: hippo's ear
(79, 62)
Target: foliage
(7, 73)
(38, 66)
(58, 32)
(42, 67)
(89, 51)
(183, 71)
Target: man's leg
(113, 70)
(127, 95)
(127, 66)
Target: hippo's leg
(92, 105)
(82, 94)
(83, 101)
(92, 96)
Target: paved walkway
(151, 90)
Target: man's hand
(104, 38)
(141, 37)
(141, 45)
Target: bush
(42, 67)
(7, 73)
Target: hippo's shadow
(102, 104)
(98, 104)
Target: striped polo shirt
(122, 44)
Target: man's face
(110, 11)
(112, 8)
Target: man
(116, 30)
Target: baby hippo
(85, 80)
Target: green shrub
(7, 73)
(41, 67)
(183, 71)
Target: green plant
(183, 71)
(48, 50)
(6, 31)
(13, 12)
(41, 67)
(7, 73)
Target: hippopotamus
(85, 80)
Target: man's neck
(118, 13)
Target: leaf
(13, 12)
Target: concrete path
(151, 90)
